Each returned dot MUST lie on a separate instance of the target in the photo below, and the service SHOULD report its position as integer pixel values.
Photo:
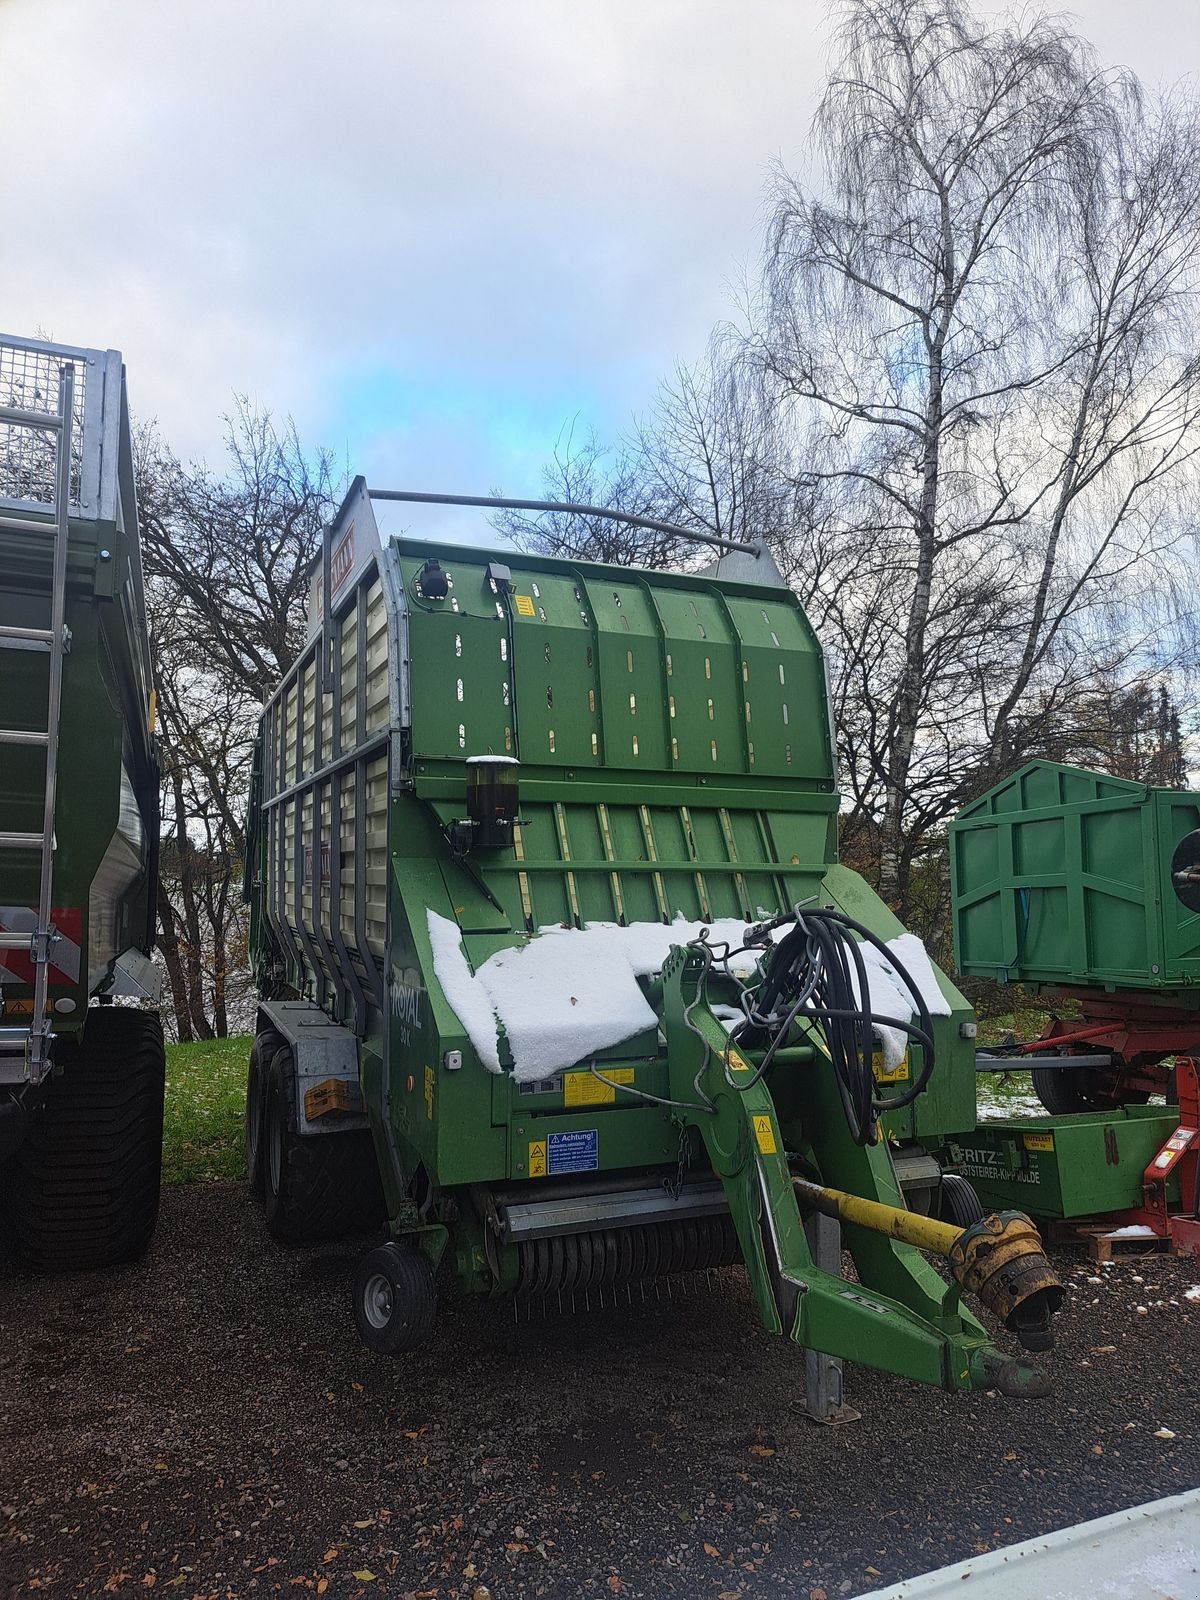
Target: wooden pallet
(1104, 1245)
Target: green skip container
(1065, 1167)
(1063, 877)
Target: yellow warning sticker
(737, 1063)
(524, 604)
(1039, 1141)
(897, 1074)
(537, 1158)
(765, 1135)
(585, 1089)
(429, 1093)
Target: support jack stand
(823, 1392)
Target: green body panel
(1073, 1166)
(106, 815)
(1063, 877)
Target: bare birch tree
(982, 332)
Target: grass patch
(1001, 1096)
(202, 1123)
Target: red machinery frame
(1140, 1034)
(1181, 1153)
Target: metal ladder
(34, 1044)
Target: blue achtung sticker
(572, 1152)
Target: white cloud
(485, 201)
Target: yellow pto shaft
(999, 1258)
(939, 1238)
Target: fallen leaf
(1103, 1349)
(364, 1575)
(149, 1579)
(614, 1583)
(322, 1585)
(1010, 1455)
(365, 1522)
(1097, 1449)
(817, 1594)
(469, 1570)
(1164, 1433)
(711, 1549)
(874, 1572)
(730, 1594)
(761, 1450)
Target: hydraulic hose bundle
(816, 973)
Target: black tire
(261, 1054)
(1067, 1091)
(395, 1299)
(83, 1189)
(1058, 1089)
(960, 1205)
(318, 1186)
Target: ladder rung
(30, 419)
(23, 736)
(35, 635)
(21, 841)
(16, 941)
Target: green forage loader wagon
(560, 975)
(81, 1078)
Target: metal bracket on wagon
(328, 1097)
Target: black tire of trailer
(315, 1186)
(960, 1205)
(83, 1190)
(1068, 1091)
(262, 1053)
(1058, 1089)
(395, 1299)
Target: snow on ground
(996, 1099)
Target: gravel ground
(205, 1423)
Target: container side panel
(1063, 876)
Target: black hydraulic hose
(817, 972)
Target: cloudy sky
(430, 230)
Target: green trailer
(560, 975)
(81, 1066)
(1079, 886)
(1063, 877)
